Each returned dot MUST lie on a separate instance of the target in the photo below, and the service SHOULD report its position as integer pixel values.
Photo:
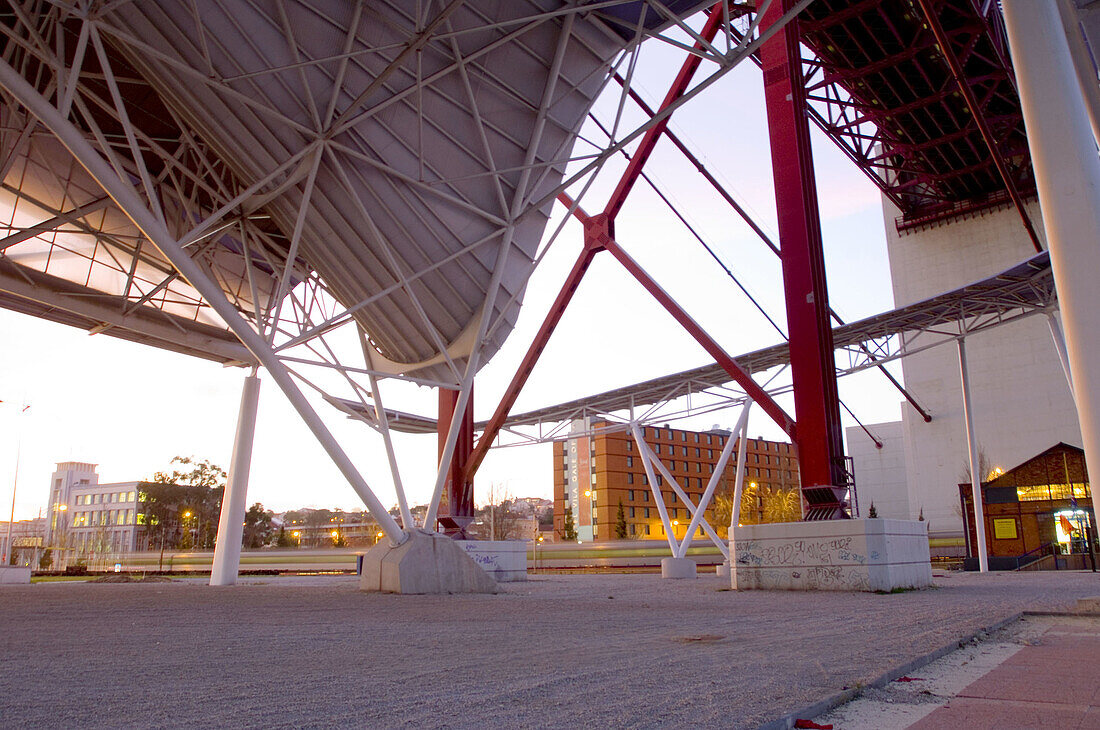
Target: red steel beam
(813, 370)
(456, 507)
(649, 140)
(721, 190)
(727, 363)
(599, 235)
(549, 324)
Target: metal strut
(721, 190)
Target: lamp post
(62, 528)
(14, 483)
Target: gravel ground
(557, 651)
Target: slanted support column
(1067, 176)
(975, 465)
(1060, 347)
(227, 547)
(816, 403)
(456, 507)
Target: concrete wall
(880, 473)
(1022, 404)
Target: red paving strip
(1052, 684)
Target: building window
(630, 461)
(645, 495)
(686, 466)
(708, 439)
(593, 479)
(647, 529)
(630, 495)
(656, 448)
(646, 510)
(645, 479)
(630, 511)
(629, 445)
(698, 452)
(130, 497)
(660, 480)
(698, 466)
(630, 479)
(710, 453)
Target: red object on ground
(811, 725)
(909, 679)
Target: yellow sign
(1004, 528)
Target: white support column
(724, 547)
(715, 477)
(975, 468)
(739, 479)
(1067, 176)
(1060, 347)
(227, 547)
(1082, 64)
(644, 452)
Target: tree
(283, 540)
(620, 522)
(180, 508)
(985, 467)
(872, 513)
(569, 532)
(497, 519)
(257, 527)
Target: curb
(822, 706)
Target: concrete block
(722, 570)
(15, 575)
(1091, 604)
(837, 555)
(426, 562)
(504, 560)
(677, 568)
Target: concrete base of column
(723, 570)
(677, 568)
(425, 563)
(15, 575)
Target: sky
(130, 408)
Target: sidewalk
(1040, 672)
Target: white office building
(87, 518)
(1021, 399)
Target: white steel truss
(698, 510)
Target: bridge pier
(227, 546)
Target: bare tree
(497, 518)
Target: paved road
(561, 651)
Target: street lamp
(297, 538)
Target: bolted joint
(599, 230)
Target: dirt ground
(556, 651)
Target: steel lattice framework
(348, 192)
(285, 184)
(1020, 292)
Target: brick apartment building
(595, 472)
